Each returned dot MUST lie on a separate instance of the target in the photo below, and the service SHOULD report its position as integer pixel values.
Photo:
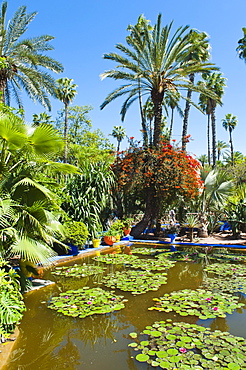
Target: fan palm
(199, 53)
(66, 92)
(229, 123)
(28, 207)
(23, 62)
(216, 83)
(153, 64)
(119, 134)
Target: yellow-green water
(49, 340)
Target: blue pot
(73, 250)
(172, 237)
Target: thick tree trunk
(213, 121)
(151, 213)
(157, 98)
(186, 113)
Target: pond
(50, 340)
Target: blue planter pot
(172, 237)
(73, 250)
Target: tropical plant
(191, 222)
(216, 83)
(88, 195)
(153, 65)
(65, 92)
(11, 301)
(23, 64)
(229, 123)
(198, 53)
(119, 134)
(203, 159)
(30, 209)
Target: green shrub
(76, 232)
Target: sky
(85, 30)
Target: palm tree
(199, 53)
(203, 159)
(119, 134)
(66, 92)
(241, 49)
(22, 62)
(215, 83)
(229, 123)
(153, 63)
(220, 146)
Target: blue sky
(85, 30)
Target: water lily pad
(136, 282)
(88, 302)
(210, 354)
(208, 304)
(78, 270)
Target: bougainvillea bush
(166, 168)
(162, 173)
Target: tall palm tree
(23, 62)
(215, 83)
(241, 49)
(119, 133)
(199, 53)
(66, 92)
(130, 39)
(220, 146)
(229, 123)
(153, 64)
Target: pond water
(49, 340)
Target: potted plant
(110, 236)
(191, 222)
(76, 233)
(127, 222)
(96, 240)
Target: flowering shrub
(167, 170)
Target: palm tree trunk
(213, 122)
(143, 121)
(208, 135)
(232, 154)
(157, 98)
(171, 124)
(186, 113)
(3, 82)
(65, 133)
